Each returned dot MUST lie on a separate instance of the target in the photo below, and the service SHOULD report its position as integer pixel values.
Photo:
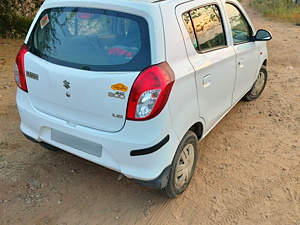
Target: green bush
(15, 19)
(285, 10)
(13, 26)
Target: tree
(15, 19)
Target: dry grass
(284, 10)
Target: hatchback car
(134, 85)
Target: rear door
(212, 58)
(82, 63)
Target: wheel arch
(197, 128)
(265, 62)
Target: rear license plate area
(77, 143)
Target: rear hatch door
(82, 63)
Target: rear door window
(205, 27)
(91, 39)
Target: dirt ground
(248, 173)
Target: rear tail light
(150, 92)
(19, 69)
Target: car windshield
(91, 39)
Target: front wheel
(183, 166)
(258, 85)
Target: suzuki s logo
(66, 84)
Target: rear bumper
(141, 150)
(158, 183)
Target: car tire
(183, 166)
(258, 86)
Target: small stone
(28, 201)
(120, 176)
(117, 218)
(146, 212)
(43, 185)
(269, 195)
(223, 165)
(33, 183)
(38, 195)
(116, 210)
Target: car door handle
(241, 63)
(206, 80)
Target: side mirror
(262, 35)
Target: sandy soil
(248, 173)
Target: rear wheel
(183, 166)
(258, 85)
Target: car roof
(167, 3)
(142, 1)
(154, 1)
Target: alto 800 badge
(117, 94)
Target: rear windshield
(91, 39)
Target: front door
(247, 52)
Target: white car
(134, 85)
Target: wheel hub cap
(184, 166)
